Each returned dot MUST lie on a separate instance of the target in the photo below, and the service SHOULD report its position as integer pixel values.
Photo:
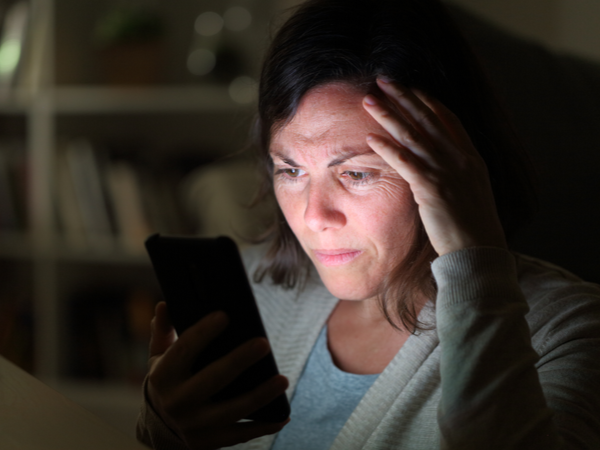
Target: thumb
(163, 333)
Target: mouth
(336, 257)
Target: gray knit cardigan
(513, 361)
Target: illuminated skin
(430, 149)
(338, 195)
(350, 175)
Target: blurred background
(119, 118)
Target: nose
(323, 208)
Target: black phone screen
(202, 275)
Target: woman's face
(352, 213)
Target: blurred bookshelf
(17, 101)
(110, 100)
(115, 100)
(88, 168)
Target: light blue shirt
(324, 399)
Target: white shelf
(212, 98)
(117, 256)
(15, 101)
(165, 99)
(15, 245)
(18, 246)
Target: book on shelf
(90, 194)
(126, 197)
(160, 198)
(109, 202)
(68, 211)
(16, 318)
(9, 219)
(109, 331)
(16, 332)
(13, 186)
(162, 202)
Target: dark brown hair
(415, 43)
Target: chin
(348, 289)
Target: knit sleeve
(153, 432)
(497, 391)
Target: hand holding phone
(220, 370)
(183, 400)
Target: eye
(292, 173)
(289, 173)
(357, 176)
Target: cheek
(390, 201)
(387, 215)
(393, 190)
(289, 203)
(384, 212)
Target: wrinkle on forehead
(307, 107)
(327, 118)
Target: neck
(360, 338)
(367, 311)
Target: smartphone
(201, 275)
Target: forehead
(330, 118)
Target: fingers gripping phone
(202, 275)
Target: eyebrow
(335, 162)
(349, 155)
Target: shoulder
(313, 287)
(252, 256)
(265, 291)
(292, 317)
(542, 281)
(562, 306)
(278, 304)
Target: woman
(392, 304)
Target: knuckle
(232, 367)
(411, 136)
(401, 93)
(183, 350)
(427, 118)
(253, 350)
(386, 114)
(155, 378)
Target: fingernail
(370, 100)
(384, 79)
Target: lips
(336, 257)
